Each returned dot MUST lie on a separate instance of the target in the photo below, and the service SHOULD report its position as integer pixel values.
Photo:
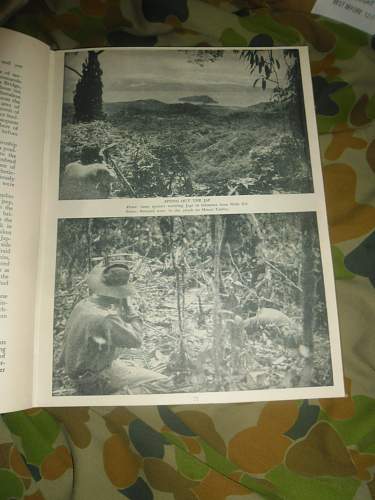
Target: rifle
(104, 152)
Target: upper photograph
(140, 123)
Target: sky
(167, 75)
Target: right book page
(186, 255)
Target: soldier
(97, 326)
(88, 178)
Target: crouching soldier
(88, 178)
(97, 326)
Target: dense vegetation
(218, 150)
(198, 281)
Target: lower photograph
(190, 304)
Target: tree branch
(72, 69)
(283, 275)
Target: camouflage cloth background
(306, 450)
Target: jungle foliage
(199, 280)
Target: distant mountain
(131, 111)
(153, 108)
(142, 104)
(199, 99)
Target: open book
(163, 234)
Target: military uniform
(94, 331)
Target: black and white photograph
(177, 122)
(189, 304)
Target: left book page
(24, 66)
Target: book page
(24, 65)
(185, 252)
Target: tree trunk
(217, 233)
(89, 244)
(308, 278)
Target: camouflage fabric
(310, 450)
